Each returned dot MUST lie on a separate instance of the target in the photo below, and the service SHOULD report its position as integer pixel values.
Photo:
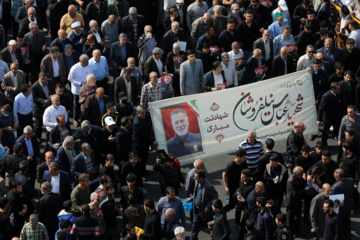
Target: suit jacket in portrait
(261, 45)
(209, 81)
(6, 57)
(209, 194)
(191, 83)
(60, 44)
(179, 147)
(8, 83)
(127, 27)
(150, 66)
(116, 56)
(65, 183)
(39, 96)
(119, 86)
(46, 66)
(278, 65)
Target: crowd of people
(77, 78)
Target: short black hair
(24, 88)
(261, 201)
(281, 217)
(65, 223)
(17, 148)
(274, 157)
(320, 145)
(109, 186)
(190, 52)
(350, 131)
(250, 225)
(150, 203)
(3, 202)
(317, 61)
(85, 208)
(200, 173)
(15, 184)
(326, 153)
(305, 148)
(217, 204)
(246, 172)
(230, 21)
(109, 105)
(67, 205)
(269, 143)
(330, 202)
(129, 226)
(240, 152)
(216, 64)
(347, 145)
(131, 177)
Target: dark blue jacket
(65, 187)
(265, 224)
(251, 203)
(179, 148)
(330, 108)
(62, 158)
(35, 145)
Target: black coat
(347, 94)
(278, 65)
(39, 96)
(142, 132)
(115, 54)
(123, 145)
(128, 168)
(350, 60)
(119, 86)
(221, 229)
(65, 183)
(11, 162)
(265, 159)
(209, 81)
(94, 139)
(295, 191)
(330, 108)
(152, 226)
(48, 208)
(294, 144)
(127, 27)
(249, 74)
(6, 13)
(6, 57)
(332, 230)
(58, 43)
(329, 170)
(93, 13)
(261, 45)
(150, 66)
(319, 82)
(24, 25)
(345, 186)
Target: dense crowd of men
(97, 65)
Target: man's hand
(8, 129)
(158, 161)
(81, 3)
(206, 210)
(43, 47)
(57, 145)
(308, 188)
(29, 158)
(14, 89)
(187, 199)
(7, 149)
(316, 102)
(182, 94)
(214, 89)
(138, 235)
(82, 40)
(318, 123)
(111, 138)
(227, 190)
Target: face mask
(5, 115)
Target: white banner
(211, 124)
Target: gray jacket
(191, 83)
(317, 215)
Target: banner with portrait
(210, 124)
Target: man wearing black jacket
(328, 166)
(282, 64)
(221, 229)
(331, 222)
(152, 226)
(294, 143)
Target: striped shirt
(85, 227)
(253, 152)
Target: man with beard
(317, 215)
(206, 56)
(307, 59)
(332, 226)
(184, 142)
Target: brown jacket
(7, 84)
(47, 67)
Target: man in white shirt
(355, 32)
(77, 78)
(237, 57)
(307, 59)
(50, 114)
(229, 70)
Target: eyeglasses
(311, 51)
(237, 9)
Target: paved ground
(215, 167)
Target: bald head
(299, 127)
(13, 67)
(100, 92)
(199, 164)
(298, 171)
(339, 174)
(49, 157)
(207, 17)
(283, 52)
(260, 188)
(46, 187)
